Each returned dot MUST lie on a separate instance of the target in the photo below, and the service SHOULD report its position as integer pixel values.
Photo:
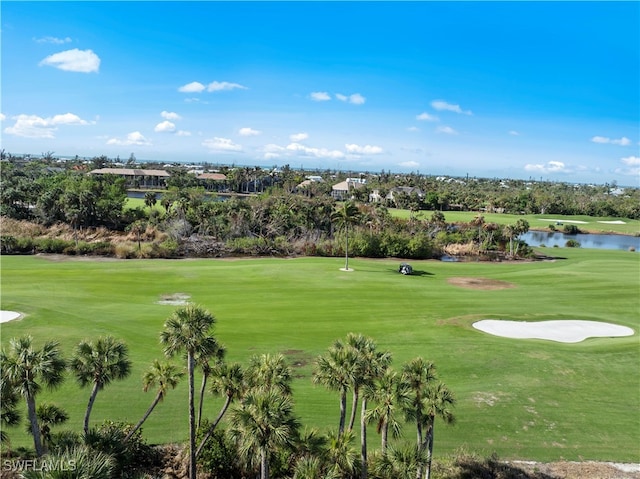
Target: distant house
(212, 181)
(137, 178)
(341, 191)
(393, 194)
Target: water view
(586, 240)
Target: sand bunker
(6, 316)
(563, 331)
(616, 222)
(480, 283)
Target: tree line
(261, 437)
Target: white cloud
(631, 160)
(355, 99)
(409, 164)
(165, 126)
(193, 87)
(83, 61)
(549, 167)
(54, 40)
(271, 156)
(413, 128)
(221, 144)
(442, 105)
(447, 130)
(316, 152)
(169, 115)
(427, 117)
(249, 132)
(320, 96)
(33, 126)
(273, 148)
(514, 133)
(133, 138)
(297, 137)
(223, 85)
(624, 141)
(363, 150)
(2, 117)
(183, 133)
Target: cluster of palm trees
(261, 423)
(413, 394)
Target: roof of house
(212, 176)
(345, 185)
(128, 172)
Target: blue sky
(491, 89)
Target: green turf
(528, 399)
(588, 223)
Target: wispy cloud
(427, 117)
(53, 40)
(514, 133)
(363, 150)
(169, 115)
(413, 129)
(224, 85)
(446, 130)
(133, 138)
(183, 133)
(165, 127)
(315, 152)
(298, 137)
(2, 117)
(631, 160)
(442, 105)
(248, 132)
(549, 167)
(83, 61)
(354, 99)
(197, 87)
(320, 96)
(409, 164)
(631, 168)
(33, 126)
(624, 141)
(221, 145)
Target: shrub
(77, 463)
(218, 456)
(572, 244)
(571, 230)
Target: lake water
(587, 240)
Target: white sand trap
(564, 331)
(564, 221)
(6, 316)
(616, 222)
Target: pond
(586, 240)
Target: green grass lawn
(589, 224)
(528, 399)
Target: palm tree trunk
(87, 414)
(192, 418)
(202, 389)
(343, 410)
(354, 408)
(264, 464)
(427, 474)
(213, 426)
(384, 434)
(363, 439)
(144, 418)
(35, 428)
(419, 449)
(346, 247)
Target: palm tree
(332, 371)
(188, 330)
(269, 371)
(28, 369)
(98, 365)
(439, 402)
(391, 395)
(341, 454)
(419, 375)
(49, 415)
(227, 381)
(263, 422)
(344, 215)
(150, 199)
(166, 376)
(206, 367)
(9, 415)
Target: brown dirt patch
(480, 283)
